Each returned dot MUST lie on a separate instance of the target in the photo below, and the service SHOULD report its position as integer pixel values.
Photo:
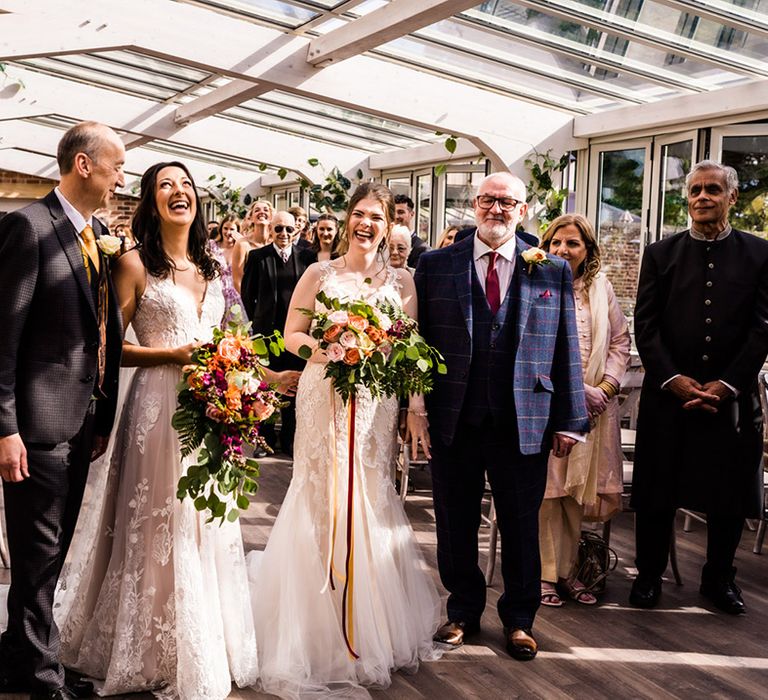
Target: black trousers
(517, 483)
(287, 427)
(653, 533)
(40, 514)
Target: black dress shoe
(520, 643)
(645, 592)
(724, 596)
(58, 694)
(76, 685)
(454, 632)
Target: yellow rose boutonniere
(535, 256)
(109, 245)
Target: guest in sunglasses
(269, 278)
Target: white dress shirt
(284, 253)
(505, 263)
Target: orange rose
(233, 398)
(333, 333)
(358, 323)
(262, 410)
(352, 356)
(375, 334)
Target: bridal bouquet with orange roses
(223, 399)
(374, 346)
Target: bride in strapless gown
(313, 640)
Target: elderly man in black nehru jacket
(701, 326)
(60, 349)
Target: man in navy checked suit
(513, 391)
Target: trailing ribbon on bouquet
(347, 599)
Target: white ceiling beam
(741, 100)
(50, 34)
(422, 155)
(144, 118)
(230, 95)
(398, 18)
(493, 120)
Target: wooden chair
(403, 464)
(761, 525)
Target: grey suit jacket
(49, 335)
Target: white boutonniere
(109, 245)
(535, 256)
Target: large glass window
(400, 185)
(460, 188)
(620, 190)
(424, 205)
(673, 205)
(749, 156)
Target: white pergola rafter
(265, 56)
(735, 16)
(141, 117)
(398, 18)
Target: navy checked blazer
(548, 385)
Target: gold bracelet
(420, 414)
(610, 389)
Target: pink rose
(348, 339)
(229, 349)
(214, 413)
(385, 349)
(340, 317)
(334, 352)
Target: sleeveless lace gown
(162, 600)
(394, 605)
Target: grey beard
(495, 232)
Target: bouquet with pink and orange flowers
(223, 399)
(375, 346)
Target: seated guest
(447, 236)
(400, 247)
(700, 328)
(270, 276)
(586, 484)
(255, 235)
(325, 237)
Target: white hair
(731, 176)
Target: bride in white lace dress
(162, 602)
(308, 639)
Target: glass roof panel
(285, 14)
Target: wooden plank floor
(680, 650)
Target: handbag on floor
(594, 561)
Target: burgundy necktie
(492, 291)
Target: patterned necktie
(91, 250)
(284, 255)
(492, 290)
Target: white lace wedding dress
(392, 603)
(161, 600)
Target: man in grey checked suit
(59, 361)
(514, 384)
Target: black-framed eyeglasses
(288, 229)
(485, 201)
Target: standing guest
(222, 247)
(404, 215)
(255, 235)
(326, 237)
(213, 228)
(507, 329)
(701, 327)
(447, 237)
(123, 231)
(271, 274)
(400, 247)
(59, 362)
(588, 482)
(304, 235)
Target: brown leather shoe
(520, 643)
(454, 632)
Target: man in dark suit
(507, 330)
(59, 361)
(269, 278)
(404, 214)
(701, 327)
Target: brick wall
(18, 190)
(620, 261)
